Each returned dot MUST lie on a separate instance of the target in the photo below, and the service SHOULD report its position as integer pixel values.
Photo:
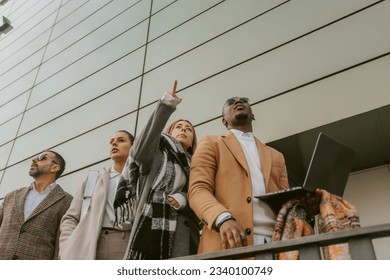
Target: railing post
(361, 248)
(264, 256)
(310, 252)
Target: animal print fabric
(334, 214)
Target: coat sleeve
(202, 183)
(65, 206)
(1, 211)
(3, 202)
(146, 144)
(72, 216)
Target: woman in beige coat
(96, 235)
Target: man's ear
(224, 122)
(55, 168)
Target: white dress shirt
(34, 198)
(263, 216)
(109, 214)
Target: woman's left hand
(173, 202)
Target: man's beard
(34, 173)
(241, 117)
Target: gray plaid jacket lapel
(56, 194)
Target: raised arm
(146, 144)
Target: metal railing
(359, 241)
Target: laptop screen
(329, 166)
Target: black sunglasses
(233, 100)
(42, 157)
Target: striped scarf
(153, 237)
(125, 202)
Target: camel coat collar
(265, 156)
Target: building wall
(369, 192)
(72, 72)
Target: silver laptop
(329, 169)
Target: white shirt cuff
(170, 100)
(220, 217)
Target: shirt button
(106, 232)
(248, 199)
(248, 231)
(187, 223)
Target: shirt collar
(48, 189)
(240, 134)
(113, 173)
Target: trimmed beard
(241, 117)
(34, 173)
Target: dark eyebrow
(120, 137)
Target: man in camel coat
(227, 172)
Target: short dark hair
(60, 161)
(131, 137)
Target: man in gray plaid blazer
(30, 217)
